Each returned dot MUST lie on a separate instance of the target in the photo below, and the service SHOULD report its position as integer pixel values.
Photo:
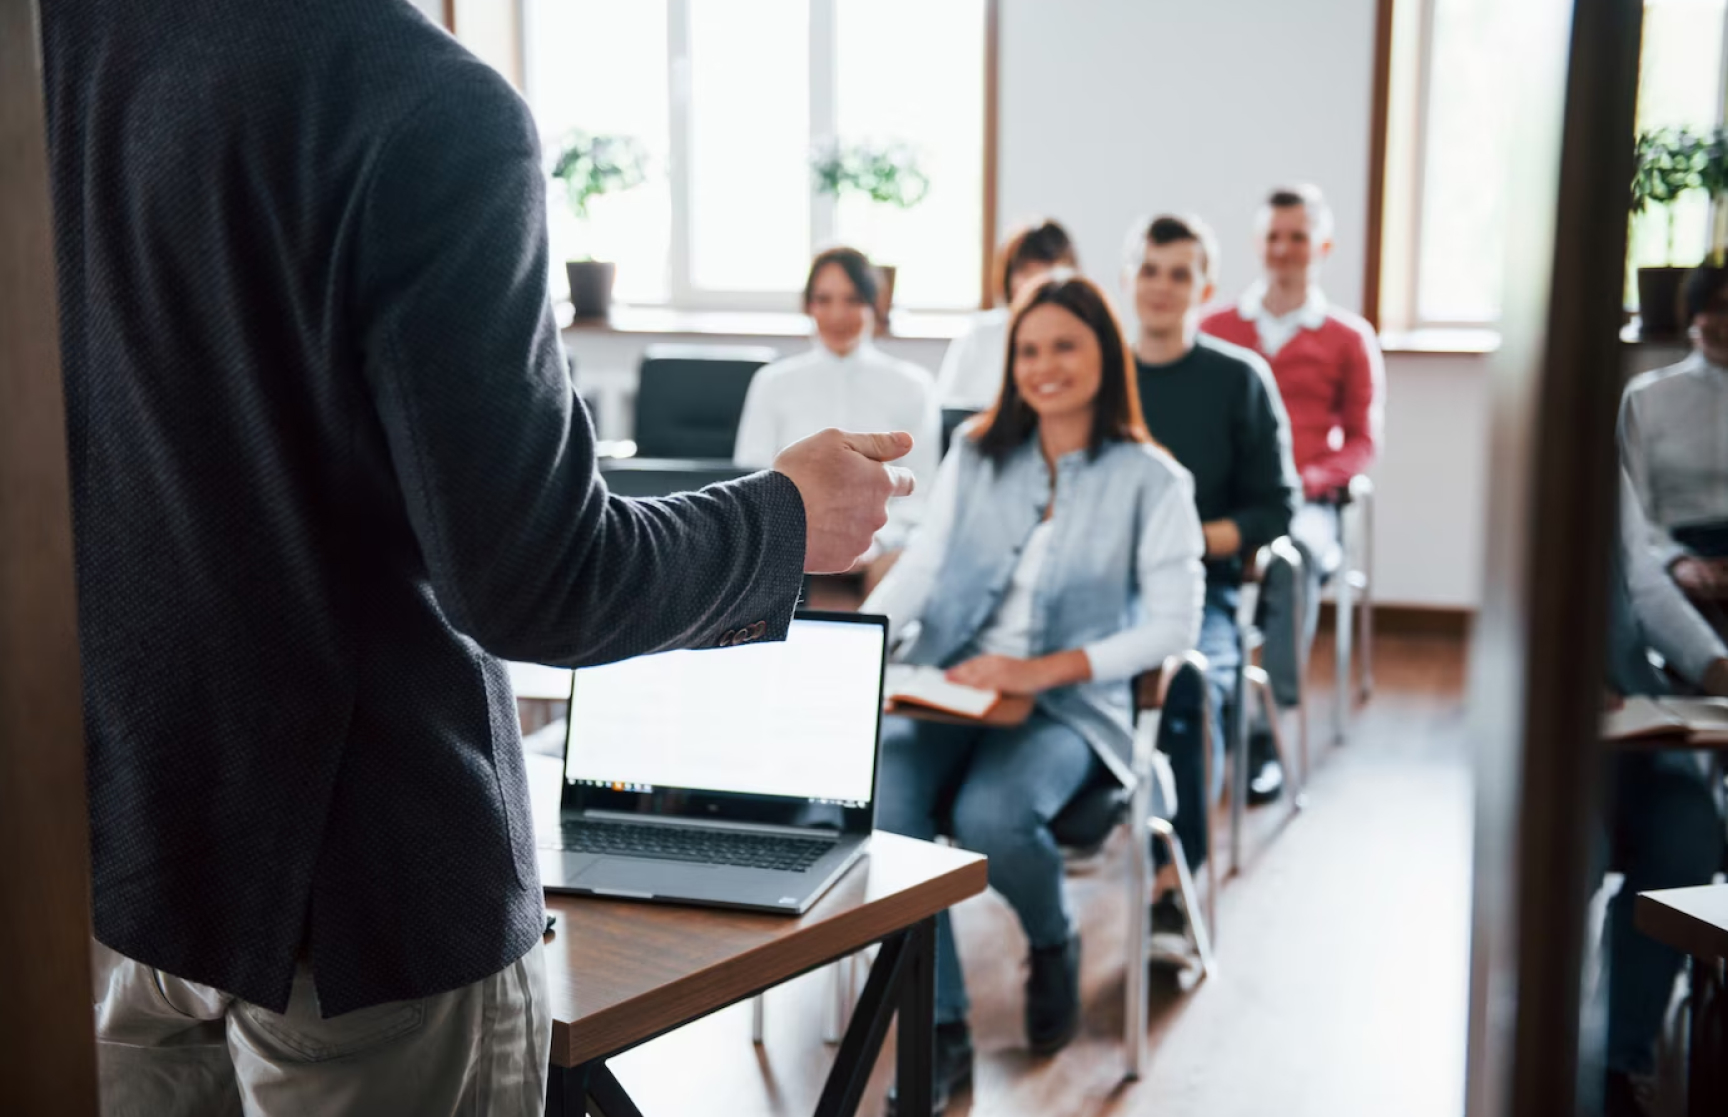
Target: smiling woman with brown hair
(1059, 557)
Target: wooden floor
(1342, 953)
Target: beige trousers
(167, 1047)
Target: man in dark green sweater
(1215, 407)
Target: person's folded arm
(1361, 417)
(1170, 583)
(1266, 489)
(1668, 621)
(524, 548)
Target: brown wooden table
(1695, 920)
(621, 972)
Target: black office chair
(689, 398)
(952, 417)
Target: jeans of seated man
(1314, 530)
(1666, 834)
(168, 1047)
(995, 791)
(1179, 733)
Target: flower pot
(884, 295)
(590, 288)
(1659, 313)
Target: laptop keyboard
(679, 843)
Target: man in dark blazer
(327, 468)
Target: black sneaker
(1265, 774)
(952, 1071)
(1053, 997)
(1170, 945)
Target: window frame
(1403, 80)
(682, 293)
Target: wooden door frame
(1537, 659)
(46, 1028)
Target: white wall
(1114, 108)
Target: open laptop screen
(795, 720)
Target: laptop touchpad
(626, 877)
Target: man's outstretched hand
(846, 486)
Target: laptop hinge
(710, 824)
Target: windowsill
(905, 324)
(1441, 340)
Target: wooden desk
(621, 973)
(1695, 920)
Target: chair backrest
(689, 398)
(952, 417)
(665, 476)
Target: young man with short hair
(1329, 371)
(1215, 407)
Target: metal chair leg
(1343, 630)
(839, 1003)
(1363, 491)
(1262, 687)
(1207, 745)
(1135, 1008)
(758, 1018)
(1164, 832)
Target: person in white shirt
(971, 373)
(844, 381)
(1059, 559)
(1674, 442)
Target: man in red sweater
(1329, 372)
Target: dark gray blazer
(327, 465)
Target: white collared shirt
(866, 391)
(1277, 329)
(1674, 445)
(976, 361)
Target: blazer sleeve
(524, 548)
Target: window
(730, 98)
(1444, 220)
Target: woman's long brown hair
(1116, 415)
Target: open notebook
(928, 687)
(1703, 720)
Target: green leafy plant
(887, 174)
(1669, 163)
(590, 166)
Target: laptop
(738, 777)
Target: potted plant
(1669, 162)
(590, 166)
(882, 174)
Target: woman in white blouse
(971, 373)
(1059, 558)
(845, 381)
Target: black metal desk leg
(881, 1002)
(1708, 1040)
(915, 1042)
(566, 1091)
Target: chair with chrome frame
(1353, 592)
(1082, 829)
(1253, 683)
